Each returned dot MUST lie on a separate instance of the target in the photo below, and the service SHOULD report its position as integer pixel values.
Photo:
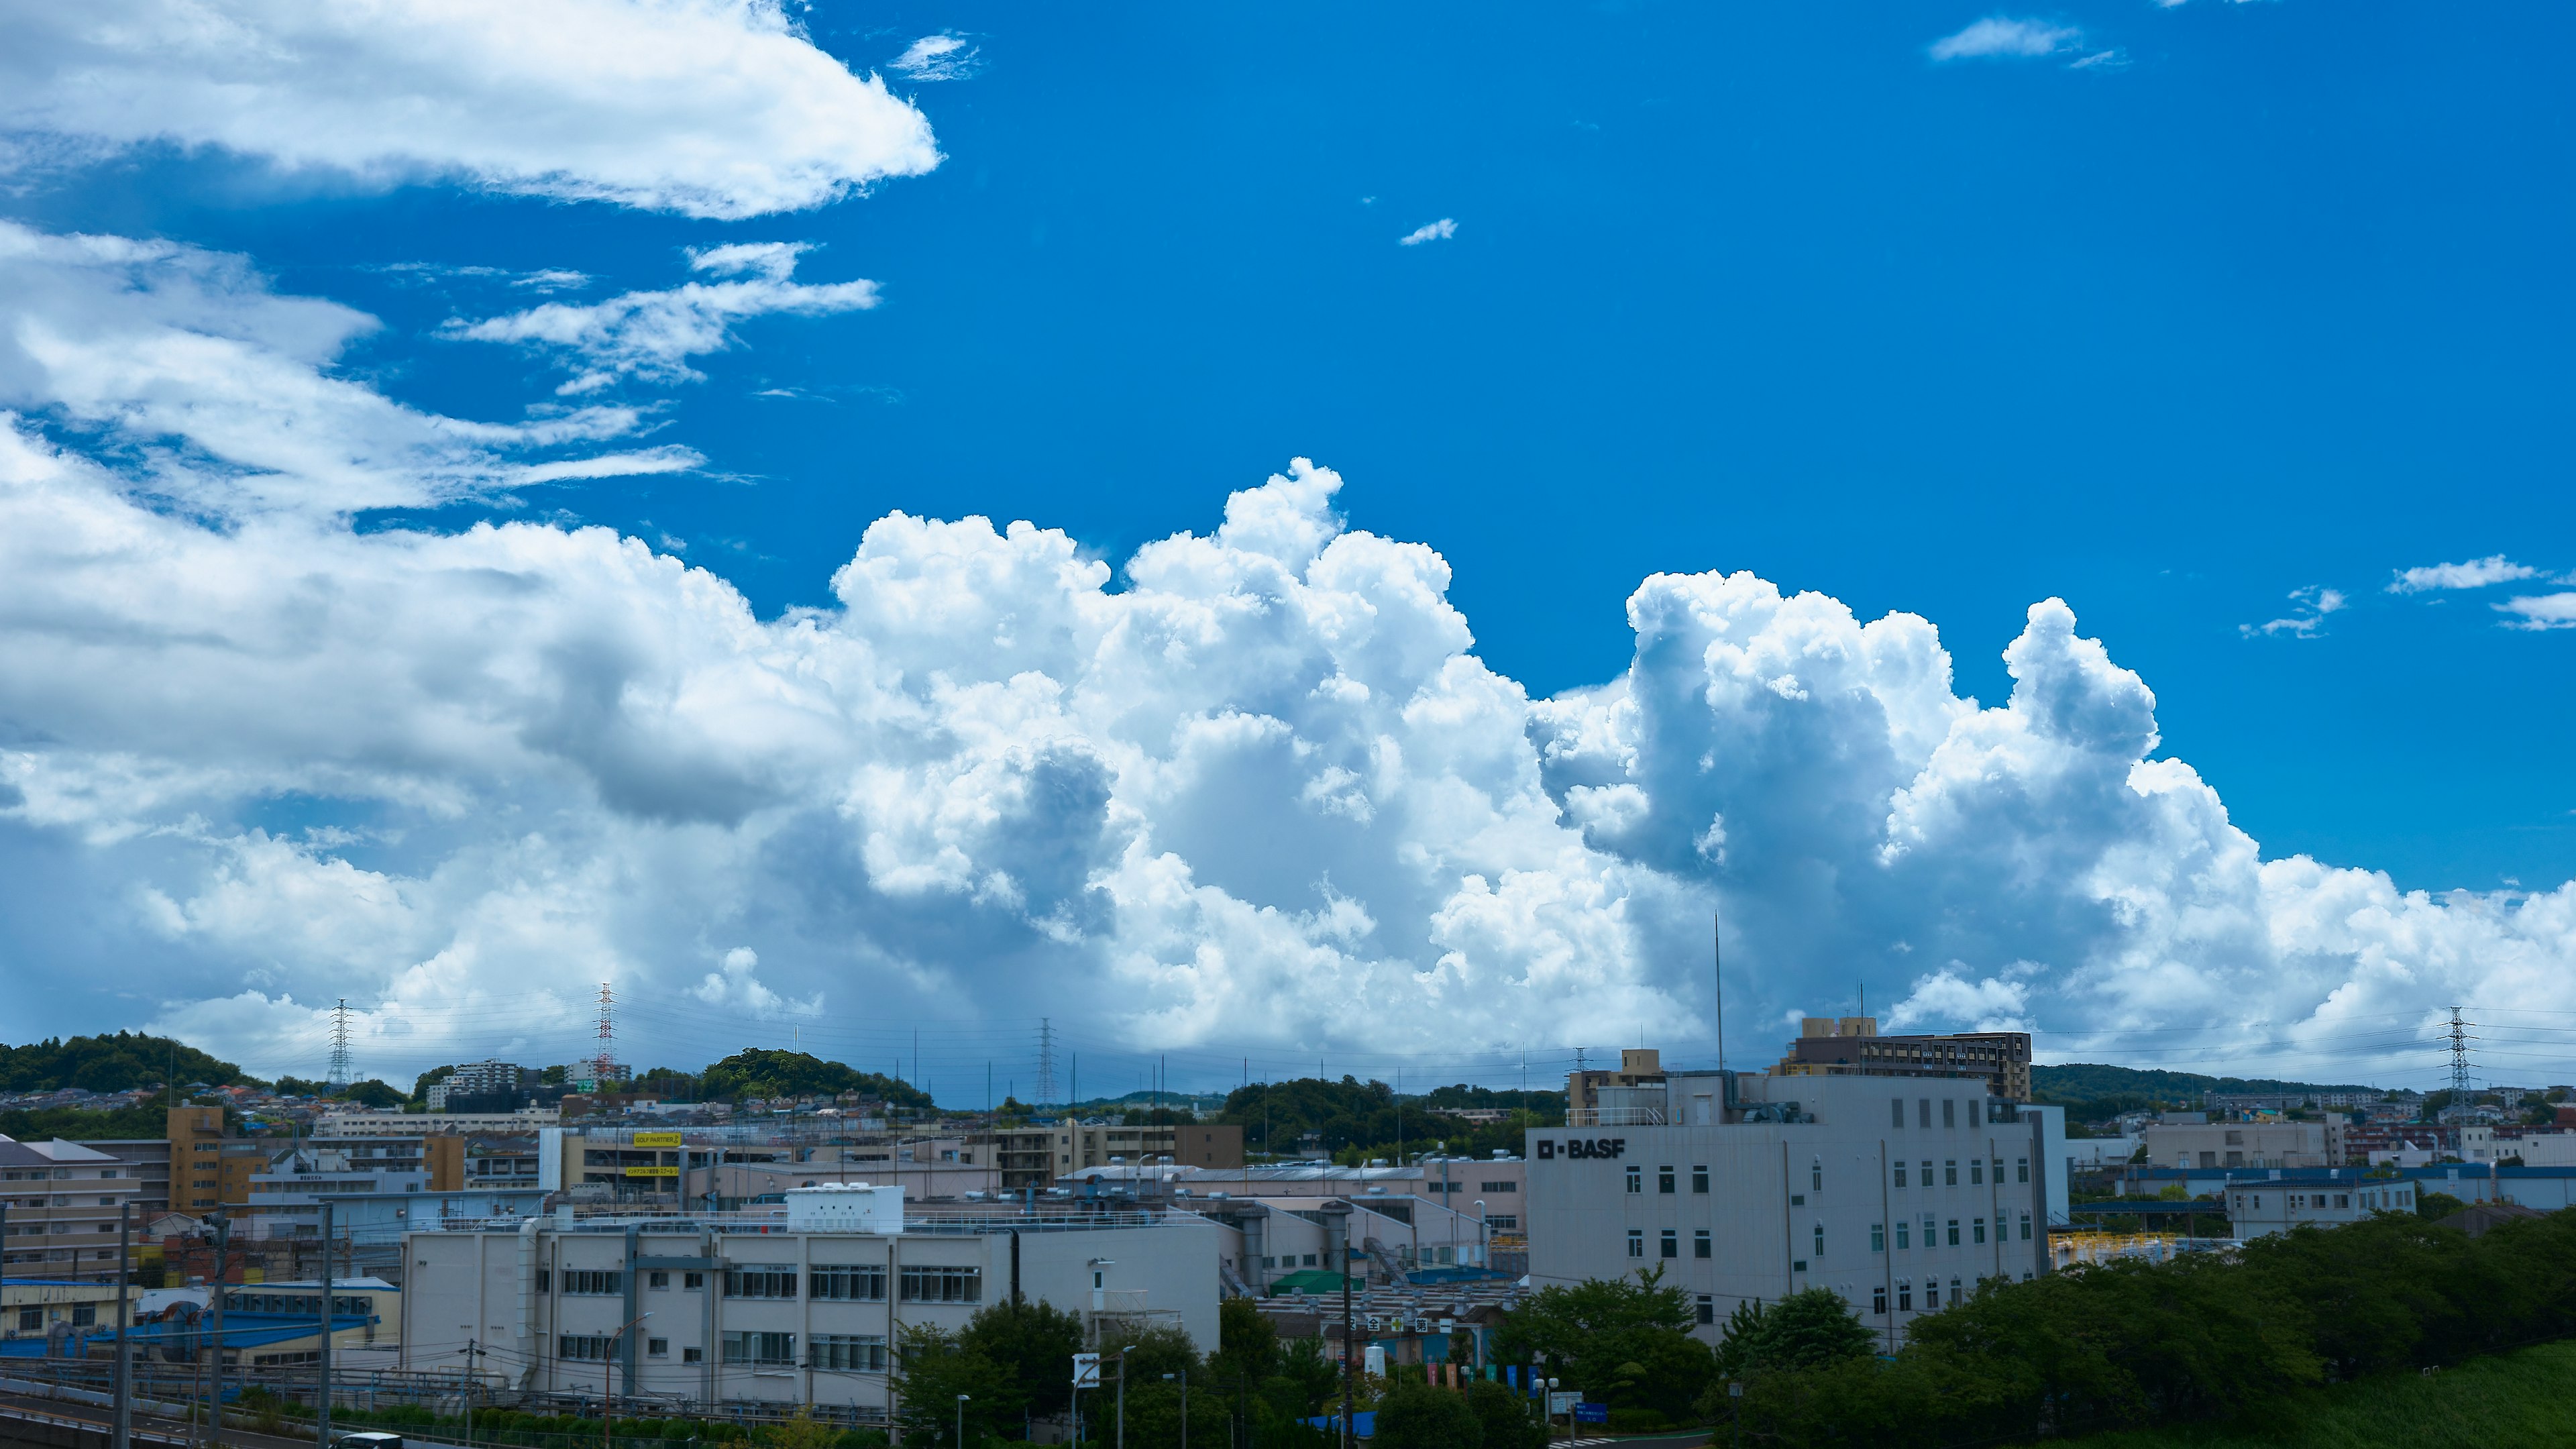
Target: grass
(2510, 1401)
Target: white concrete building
(2247, 1144)
(2260, 1209)
(1901, 1194)
(794, 1306)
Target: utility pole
(322, 1400)
(122, 1435)
(1348, 1425)
(223, 1225)
(1046, 1060)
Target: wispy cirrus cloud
(2315, 603)
(2477, 573)
(1440, 230)
(946, 56)
(2001, 37)
(650, 336)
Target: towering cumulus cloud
(1262, 793)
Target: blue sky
(2185, 316)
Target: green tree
(370, 1093)
(1154, 1352)
(1623, 1341)
(117, 1063)
(1034, 1344)
(1247, 1344)
(1308, 1379)
(2435, 1206)
(1154, 1414)
(931, 1368)
(1418, 1416)
(766, 1072)
(421, 1084)
(1508, 1420)
(1807, 1329)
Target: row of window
(1438, 1188)
(1976, 1171)
(1923, 1112)
(850, 1282)
(1670, 1242)
(832, 1352)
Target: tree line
(1352, 1120)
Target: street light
(1551, 1413)
(1184, 1377)
(608, 1381)
(961, 1419)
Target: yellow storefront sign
(657, 1139)
(652, 1172)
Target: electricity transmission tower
(2460, 1040)
(340, 1044)
(1046, 1060)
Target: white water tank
(845, 1207)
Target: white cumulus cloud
(1264, 794)
(2001, 36)
(716, 108)
(1440, 230)
(2540, 611)
(2314, 604)
(2477, 573)
(650, 336)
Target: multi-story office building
(1851, 1046)
(478, 1081)
(1900, 1194)
(1037, 1156)
(2273, 1143)
(795, 1305)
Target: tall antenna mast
(340, 1043)
(1717, 978)
(1046, 1060)
(606, 1061)
(2460, 1040)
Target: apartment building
(1899, 1195)
(1037, 1156)
(1852, 1046)
(62, 1203)
(801, 1304)
(2260, 1209)
(431, 1124)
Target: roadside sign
(1563, 1401)
(1086, 1370)
(1592, 1413)
(657, 1139)
(652, 1172)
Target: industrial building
(1900, 1195)
(793, 1305)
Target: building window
(1896, 1111)
(1904, 1295)
(1999, 1172)
(1820, 1240)
(1979, 1227)
(1901, 1244)
(1931, 1295)
(657, 1279)
(30, 1320)
(1707, 1308)
(860, 1281)
(545, 1280)
(1816, 1175)
(1900, 1173)
(593, 1282)
(1950, 1173)
(1955, 1295)
(1636, 1242)
(1700, 1243)
(1949, 1113)
(1926, 1113)
(657, 1348)
(760, 1280)
(1878, 1298)
(1310, 1260)
(1699, 1179)
(84, 1314)
(776, 1349)
(590, 1346)
(1504, 1222)
(1878, 1237)
(1498, 1187)
(2021, 1169)
(1664, 1178)
(934, 1284)
(859, 1353)
(1800, 1266)
(693, 1355)
(1671, 1244)
(693, 1282)
(2025, 1227)
(1976, 1172)
(1636, 1178)
(1954, 1232)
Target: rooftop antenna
(340, 1044)
(1717, 977)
